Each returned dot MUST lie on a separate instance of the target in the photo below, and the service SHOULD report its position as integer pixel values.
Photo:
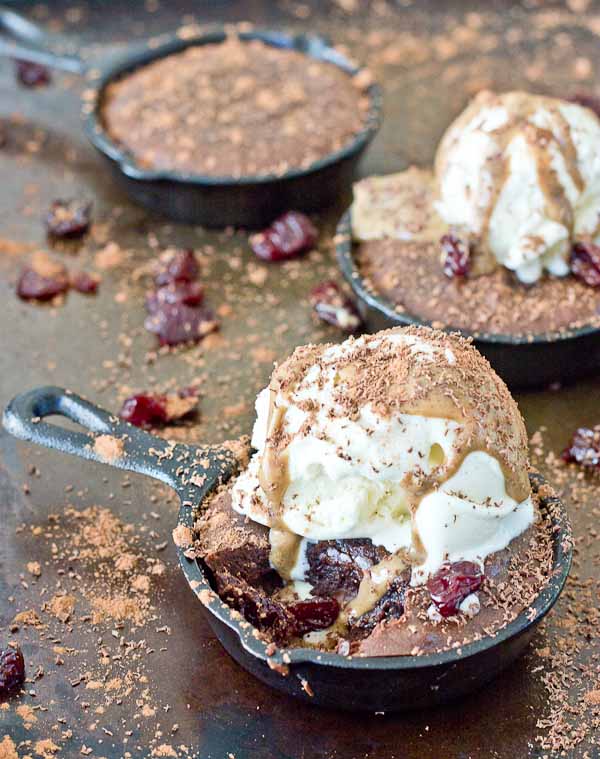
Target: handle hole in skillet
(58, 420)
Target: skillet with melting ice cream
(500, 240)
(368, 678)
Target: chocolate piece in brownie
(336, 566)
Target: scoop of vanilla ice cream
(519, 174)
(406, 437)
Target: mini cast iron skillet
(252, 201)
(521, 360)
(366, 684)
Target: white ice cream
(520, 174)
(470, 516)
(347, 477)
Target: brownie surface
(236, 108)
(410, 275)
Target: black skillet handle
(191, 471)
(24, 39)
(311, 44)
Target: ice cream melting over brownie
(516, 177)
(406, 437)
(521, 174)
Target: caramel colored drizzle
(374, 584)
(284, 551)
(273, 474)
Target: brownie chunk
(390, 606)
(232, 544)
(336, 566)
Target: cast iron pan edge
(326, 679)
(523, 361)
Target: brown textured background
(429, 56)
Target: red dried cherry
(335, 307)
(455, 256)
(84, 283)
(43, 279)
(154, 409)
(188, 293)
(584, 448)
(452, 583)
(177, 266)
(585, 263)
(177, 323)
(287, 237)
(314, 614)
(12, 670)
(144, 410)
(68, 218)
(32, 74)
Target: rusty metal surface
(98, 347)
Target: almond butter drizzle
(273, 473)
(284, 551)
(374, 584)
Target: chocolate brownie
(235, 550)
(235, 108)
(409, 274)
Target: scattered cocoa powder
(108, 447)
(28, 617)
(182, 536)
(34, 568)
(8, 750)
(62, 607)
(27, 715)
